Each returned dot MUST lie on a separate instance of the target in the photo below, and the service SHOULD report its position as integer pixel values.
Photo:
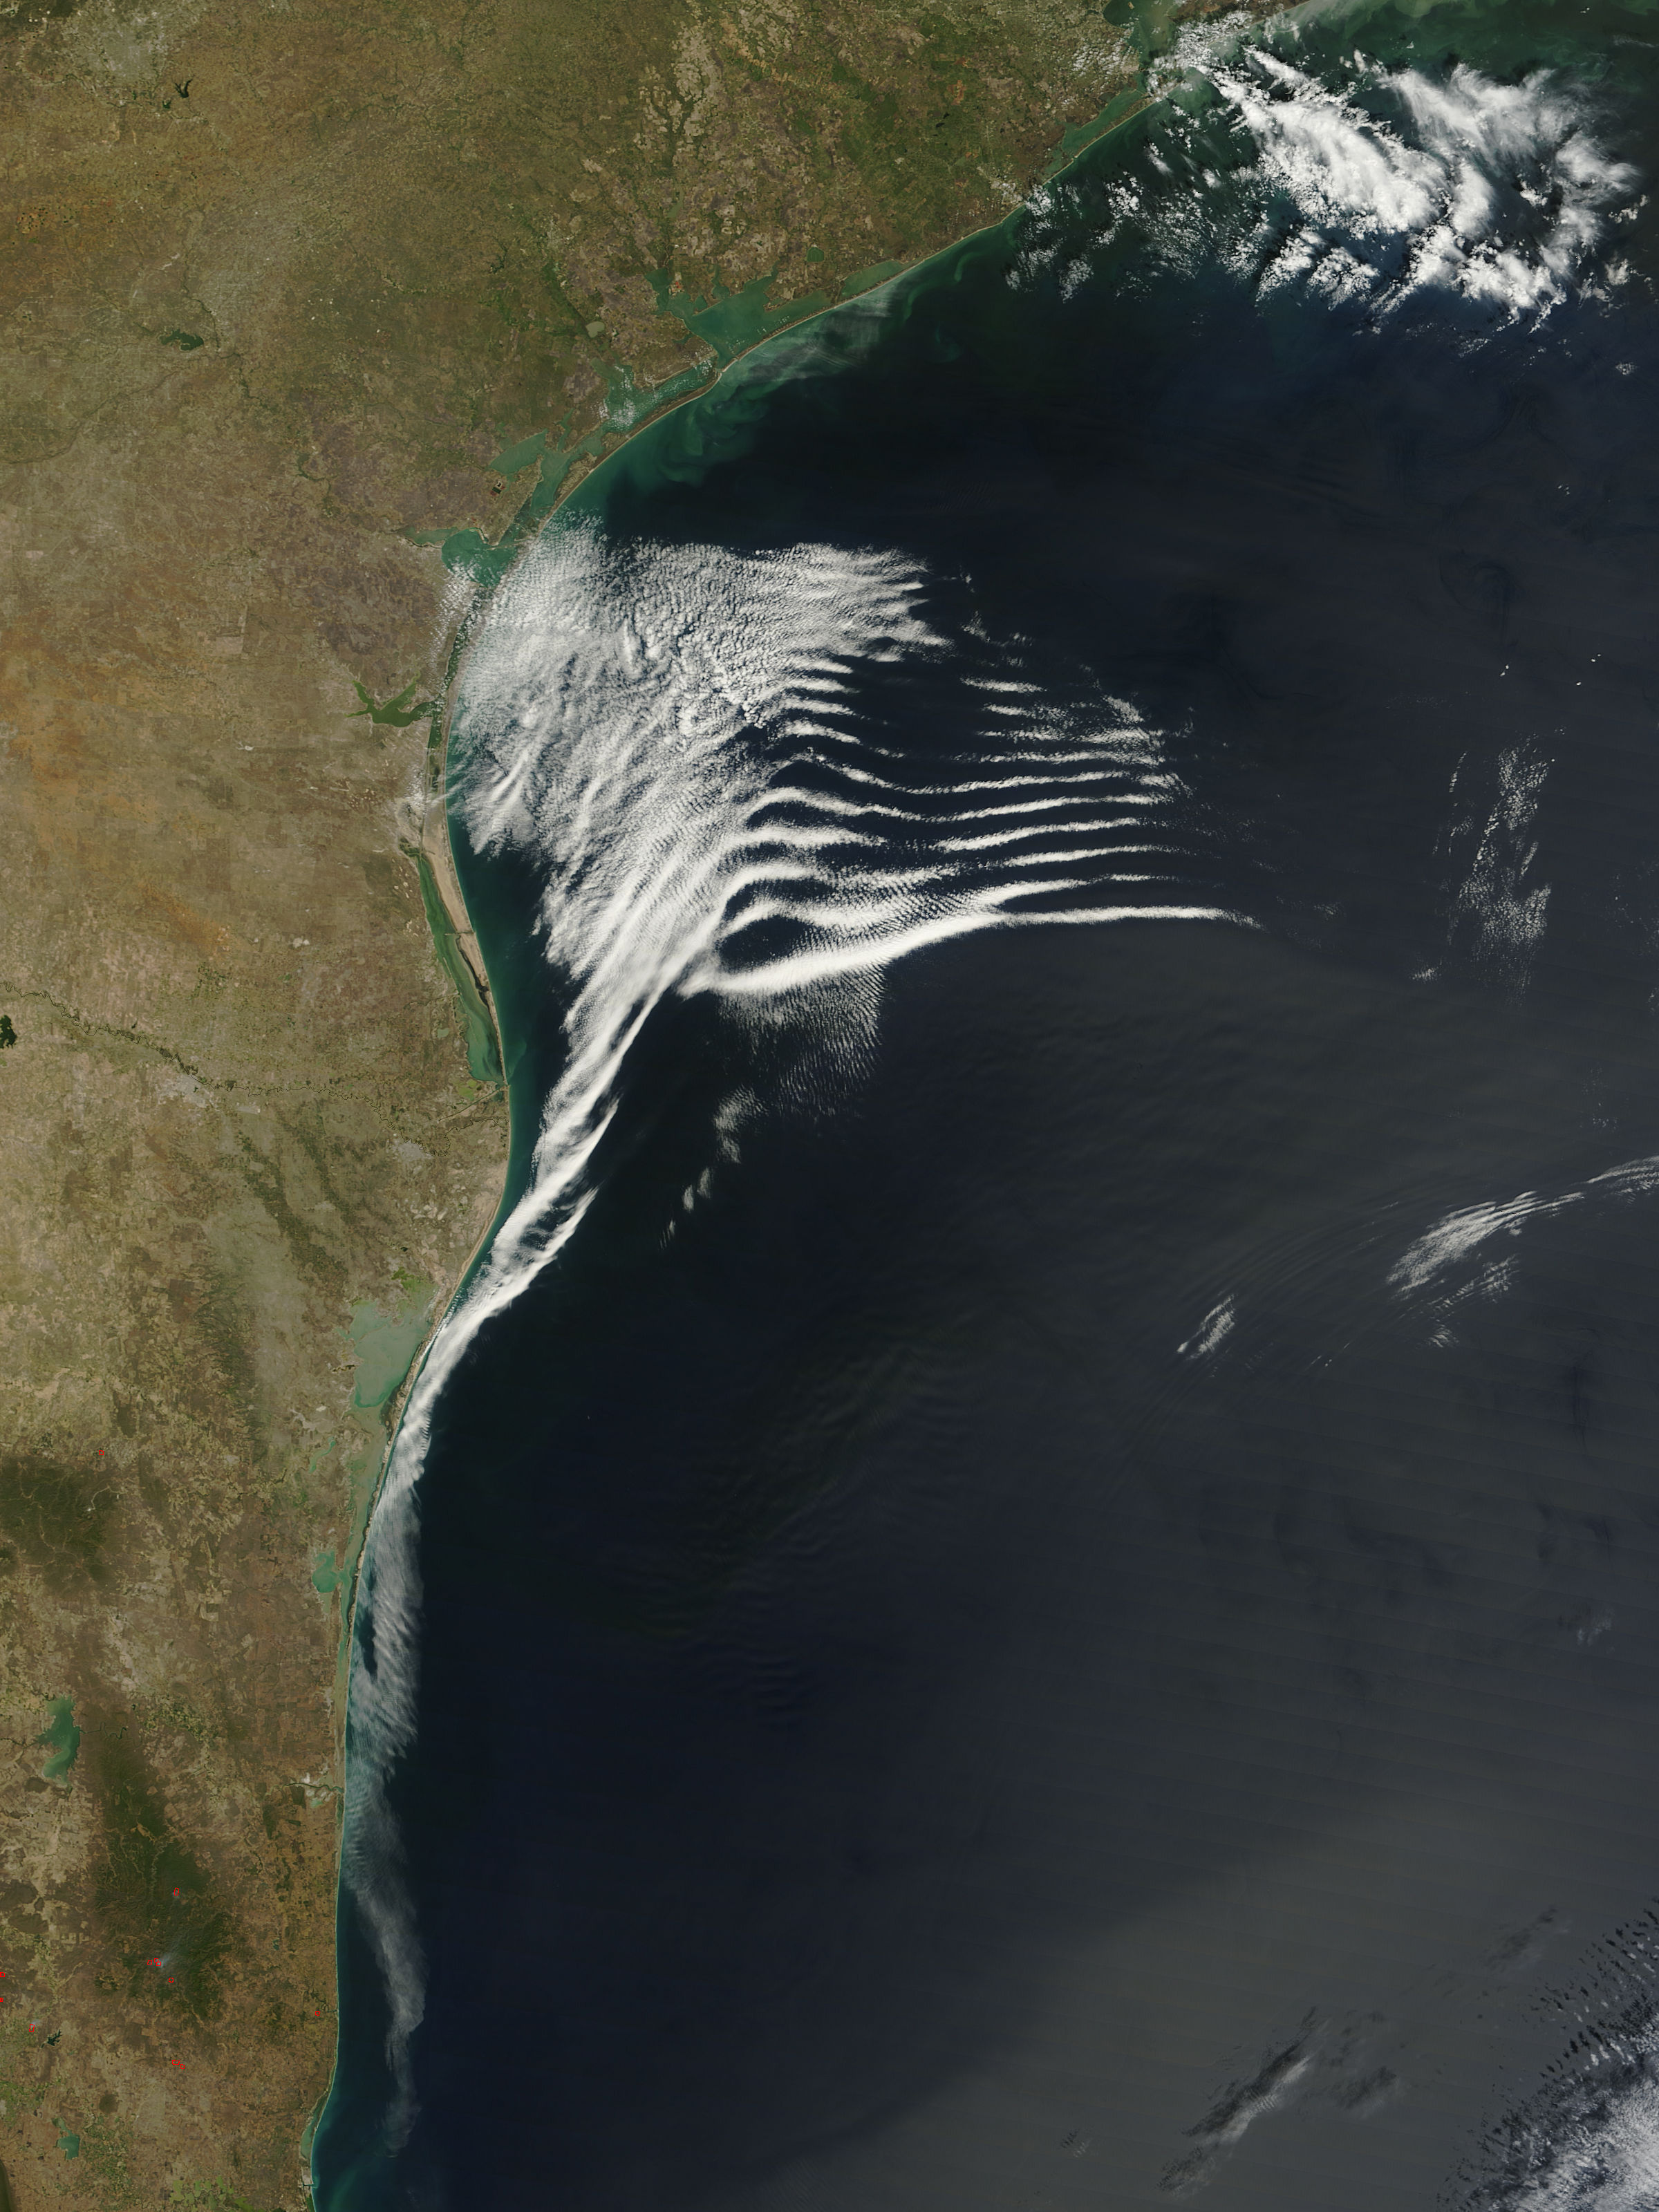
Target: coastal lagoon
(1027, 1575)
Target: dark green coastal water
(1028, 1575)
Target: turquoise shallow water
(1027, 1575)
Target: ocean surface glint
(1027, 1575)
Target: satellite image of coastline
(830, 1028)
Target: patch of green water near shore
(484, 1059)
(468, 552)
(385, 1344)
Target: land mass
(298, 306)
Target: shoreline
(434, 842)
(435, 846)
(525, 527)
(531, 517)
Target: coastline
(446, 861)
(486, 564)
(533, 517)
(433, 850)
(542, 504)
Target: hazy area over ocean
(1027, 1576)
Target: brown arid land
(297, 303)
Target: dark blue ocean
(1027, 1578)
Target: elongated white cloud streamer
(679, 739)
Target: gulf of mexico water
(1028, 1576)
